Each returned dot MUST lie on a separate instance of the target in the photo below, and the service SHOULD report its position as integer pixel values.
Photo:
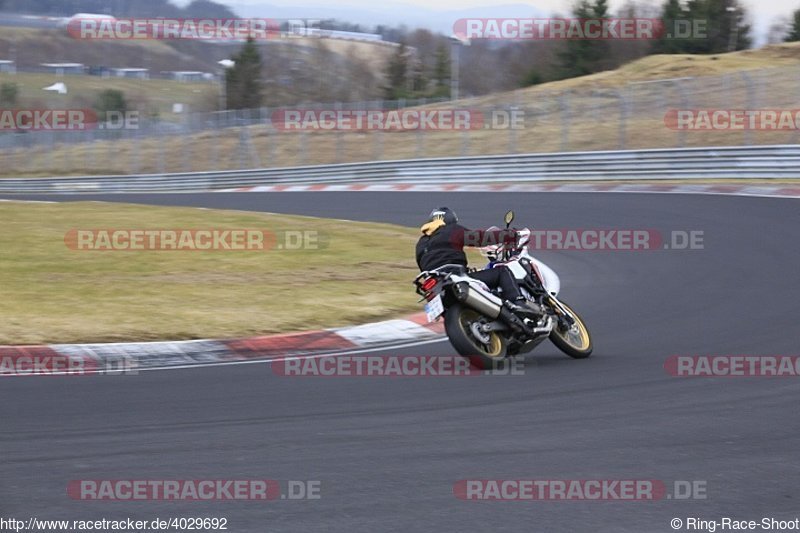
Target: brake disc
(482, 336)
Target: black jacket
(446, 244)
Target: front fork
(564, 316)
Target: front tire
(575, 341)
(483, 355)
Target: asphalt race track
(388, 451)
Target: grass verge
(54, 294)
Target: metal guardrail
(777, 161)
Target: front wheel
(484, 350)
(575, 340)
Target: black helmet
(445, 214)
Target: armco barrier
(731, 162)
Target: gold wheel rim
(577, 335)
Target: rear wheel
(485, 350)
(574, 340)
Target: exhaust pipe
(486, 304)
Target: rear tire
(488, 356)
(575, 343)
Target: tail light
(428, 284)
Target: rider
(443, 241)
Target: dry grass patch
(54, 294)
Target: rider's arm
(478, 237)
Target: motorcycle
(487, 332)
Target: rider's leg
(503, 278)
(500, 277)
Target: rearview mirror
(509, 218)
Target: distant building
(98, 70)
(138, 73)
(337, 34)
(76, 19)
(188, 75)
(6, 65)
(65, 68)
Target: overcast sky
(763, 12)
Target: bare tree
(778, 30)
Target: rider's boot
(525, 308)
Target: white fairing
(517, 269)
(551, 280)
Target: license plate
(434, 308)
